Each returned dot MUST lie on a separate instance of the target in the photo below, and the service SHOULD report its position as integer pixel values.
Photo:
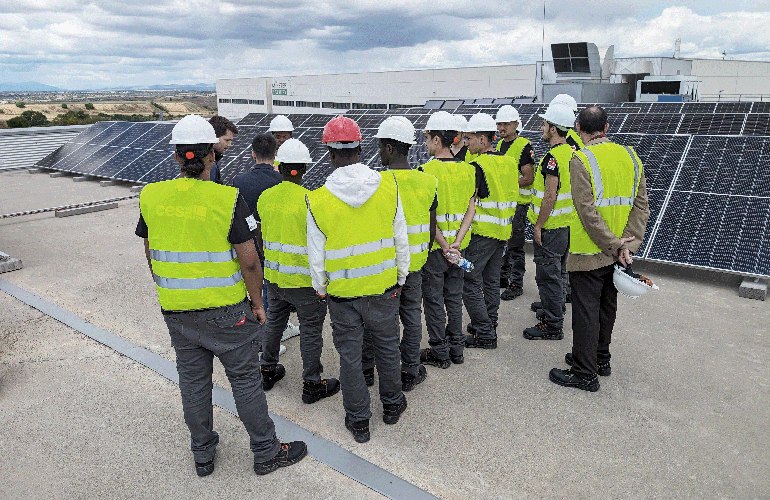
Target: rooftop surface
(683, 415)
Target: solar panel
(117, 162)
(131, 135)
(760, 107)
(251, 119)
(109, 134)
(652, 123)
(142, 165)
(666, 107)
(706, 124)
(733, 107)
(636, 107)
(699, 107)
(757, 124)
(451, 105)
(660, 155)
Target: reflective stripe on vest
(188, 223)
(494, 215)
(610, 190)
(419, 228)
(283, 212)
(562, 213)
(456, 186)
(360, 245)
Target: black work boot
(567, 378)
(504, 283)
(604, 368)
(289, 454)
(369, 377)
(271, 376)
(456, 359)
(360, 429)
(535, 306)
(511, 292)
(205, 468)
(474, 341)
(429, 357)
(391, 413)
(315, 391)
(543, 331)
(408, 381)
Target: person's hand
(538, 236)
(624, 254)
(259, 312)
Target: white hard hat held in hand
(293, 151)
(193, 129)
(631, 284)
(398, 128)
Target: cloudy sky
(93, 44)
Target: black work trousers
(594, 307)
(514, 259)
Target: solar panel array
(708, 187)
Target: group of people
(377, 249)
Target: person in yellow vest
(442, 280)
(281, 129)
(573, 139)
(551, 213)
(283, 213)
(198, 240)
(417, 191)
(520, 149)
(358, 250)
(610, 197)
(498, 192)
(459, 148)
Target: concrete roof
(683, 415)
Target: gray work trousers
(442, 299)
(481, 287)
(411, 320)
(311, 313)
(551, 274)
(514, 259)
(376, 315)
(231, 334)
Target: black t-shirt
(549, 166)
(434, 205)
(461, 154)
(481, 181)
(240, 227)
(253, 183)
(573, 143)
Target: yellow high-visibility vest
(418, 190)
(494, 215)
(525, 193)
(563, 210)
(456, 187)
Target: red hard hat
(339, 130)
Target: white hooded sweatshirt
(353, 185)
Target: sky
(76, 44)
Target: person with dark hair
(198, 240)
(225, 130)
(281, 129)
(417, 191)
(358, 250)
(283, 213)
(442, 280)
(610, 197)
(551, 213)
(520, 149)
(498, 192)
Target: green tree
(35, 118)
(18, 122)
(20, 104)
(64, 105)
(89, 106)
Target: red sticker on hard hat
(294, 172)
(189, 155)
(457, 139)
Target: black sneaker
(270, 377)
(568, 379)
(504, 283)
(543, 331)
(408, 381)
(474, 341)
(456, 359)
(205, 468)
(369, 377)
(359, 429)
(391, 413)
(427, 356)
(511, 292)
(535, 306)
(289, 454)
(470, 329)
(315, 391)
(604, 368)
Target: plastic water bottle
(461, 262)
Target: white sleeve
(403, 259)
(316, 255)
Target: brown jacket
(583, 198)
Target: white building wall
(744, 80)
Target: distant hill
(27, 87)
(200, 87)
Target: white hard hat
(566, 99)
(520, 128)
(630, 284)
(398, 128)
(442, 120)
(293, 151)
(559, 114)
(461, 123)
(193, 129)
(482, 122)
(507, 114)
(281, 124)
